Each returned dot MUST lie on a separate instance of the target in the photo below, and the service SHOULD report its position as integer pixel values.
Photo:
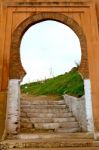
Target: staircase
(47, 124)
(47, 115)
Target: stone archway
(17, 72)
(14, 22)
(16, 69)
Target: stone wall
(77, 106)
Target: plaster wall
(77, 107)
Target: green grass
(69, 83)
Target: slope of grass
(70, 83)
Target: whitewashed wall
(13, 107)
(77, 106)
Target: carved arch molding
(16, 69)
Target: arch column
(88, 106)
(13, 107)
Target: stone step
(43, 135)
(58, 127)
(68, 124)
(42, 102)
(46, 115)
(26, 125)
(33, 131)
(67, 148)
(47, 120)
(37, 106)
(55, 126)
(52, 120)
(46, 110)
(71, 130)
(47, 143)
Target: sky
(48, 49)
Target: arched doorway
(49, 47)
(16, 70)
(48, 44)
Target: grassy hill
(70, 83)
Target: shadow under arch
(16, 70)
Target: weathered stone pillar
(88, 105)
(13, 107)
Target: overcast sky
(48, 49)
